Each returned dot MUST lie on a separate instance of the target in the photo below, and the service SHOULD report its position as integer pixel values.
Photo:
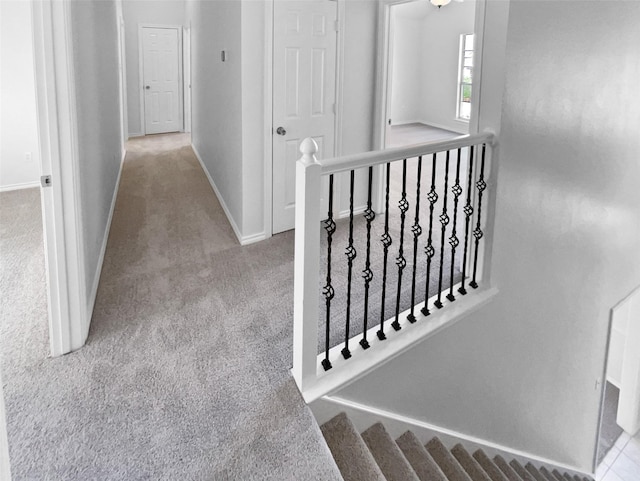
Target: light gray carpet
(186, 371)
(362, 456)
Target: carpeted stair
(375, 456)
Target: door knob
(148, 87)
(281, 131)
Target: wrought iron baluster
(401, 262)
(444, 221)
(330, 227)
(417, 231)
(468, 212)
(456, 190)
(432, 197)
(367, 274)
(481, 185)
(350, 252)
(386, 242)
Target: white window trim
(460, 83)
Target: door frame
(383, 84)
(186, 75)
(178, 28)
(61, 206)
(268, 107)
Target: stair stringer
(364, 416)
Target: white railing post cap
(308, 147)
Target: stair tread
(421, 461)
(523, 473)
(469, 464)
(547, 474)
(489, 466)
(533, 471)
(447, 462)
(351, 454)
(388, 455)
(506, 469)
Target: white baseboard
(135, 134)
(243, 240)
(96, 279)
(24, 185)
(356, 211)
(363, 416)
(463, 129)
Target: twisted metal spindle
(367, 274)
(350, 252)
(386, 242)
(401, 262)
(432, 197)
(468, 212)
(417, 231)
(444, 221)
(330, 227)
(481, 185)
(456, 190)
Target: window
(465, 76)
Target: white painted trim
(459, 130)
(5, 467)
(364, 416)
(57, 131)
(345, 372)
(178, 28)
(24, 185)
(268, 120)
(96, 279)
(243, 240)
(135, 134)
(339, 91)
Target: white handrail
(368, 159)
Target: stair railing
(425, 270)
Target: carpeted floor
(186, 371)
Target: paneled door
(161, 79)
(304, 90)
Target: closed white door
(304, 86)
(161, 80)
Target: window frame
(461, 68)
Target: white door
(304, 85)
(161, 80)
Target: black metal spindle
(481, 185)
(401, 262)
(367, 274)
(444, 221)
(417, 231)
(330, 227)
(468, 212)
(432, 197)
(350, 252)
(456, 190)
(386, 242)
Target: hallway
(186, 371)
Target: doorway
(161, 78)
(620, 411)
(304, 93)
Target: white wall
(522, 371)
(426, 52)
(135, 12)
(95, 53)
(18, 120)
(216, 90)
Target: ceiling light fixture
(440, 3)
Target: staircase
(375, 456)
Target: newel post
(307, 266)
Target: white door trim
(178, 28)
(62, 220)
(268, 107)
(186, 75)
(383, 87)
